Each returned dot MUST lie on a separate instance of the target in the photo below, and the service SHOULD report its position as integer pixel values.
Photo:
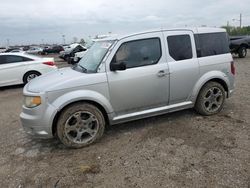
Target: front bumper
(38, 121)
(31, 127)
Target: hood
(62, 79)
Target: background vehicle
(34, 50)
(18, 68)
(239, 45)
(66, 47)
(17, 51)
(2, 50)
(52, 49)
(78, 56)
(11, 49)
(131, 77)
(70, 53)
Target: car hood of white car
(64, 78)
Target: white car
(34, 50)
(79, 55)
(17, 51)
(2, 50)
(19, 68)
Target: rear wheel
(30, 75)
(80, 124)
(210, 99)
(242, 52)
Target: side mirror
(118, 66)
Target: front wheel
(210, 99)
(80, 124)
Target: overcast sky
(32, 21)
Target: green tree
(235, 31)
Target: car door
(183, 64)
(145, 82)
(12, 69)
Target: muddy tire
(211, 99)
(80, 125)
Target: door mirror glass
(118, 66)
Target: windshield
(93, 57)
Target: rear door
(183, 64)
(12, 69)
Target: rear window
(209, 44)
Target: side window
(2, 59)
(180, 47)
(139, 53)
(27, 59)
(13, 59)
(209, 44)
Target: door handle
(162, 73)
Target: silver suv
(131, 77)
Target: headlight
(32, 101)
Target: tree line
(236, 31)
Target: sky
(45, 21)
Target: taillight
(232, 68)
(50, 63)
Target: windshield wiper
(83, 68)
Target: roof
(193, 29)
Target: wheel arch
(69, 99)
(30, 71)
(96, 104)
(244, 45)
(215, 76)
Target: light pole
(63, 37)
(240, 20)
(8, 43)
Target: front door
(145, 82)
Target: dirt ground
(181, 149)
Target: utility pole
(8, 43)
(240, 20)
(63, 37)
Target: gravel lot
(181, 149)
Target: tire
(242, 52)
(80, 125)
(211, 99)
(30, 75)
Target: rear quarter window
(210, 44)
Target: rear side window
(210, 44)
(139, 53)
(13, 59)
(2, 59)
(180, 47)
